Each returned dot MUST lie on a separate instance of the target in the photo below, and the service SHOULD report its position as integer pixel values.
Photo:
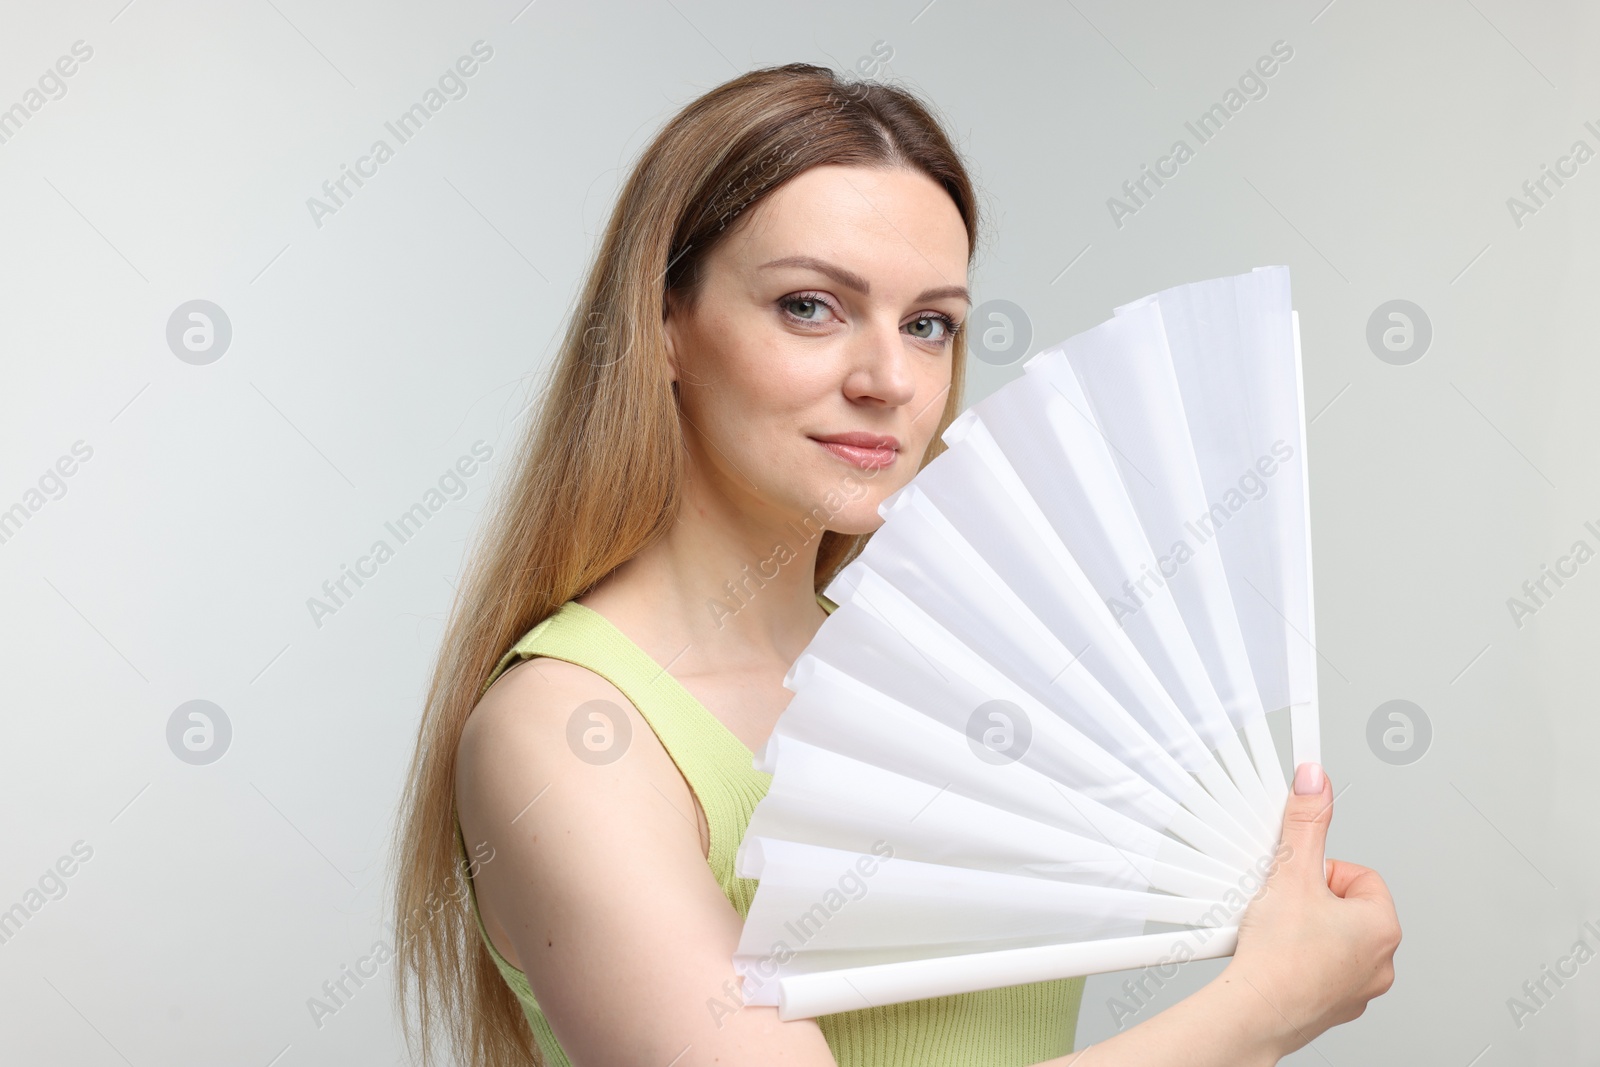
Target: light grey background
(370, 352)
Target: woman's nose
(880, 365)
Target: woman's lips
(865, 458)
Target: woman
(768, 345)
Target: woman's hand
(1317, 942)
(1314, 946)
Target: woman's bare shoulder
(597, 887)
(550, 765)
(525, 691)
(548, 719)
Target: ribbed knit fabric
(1007, 1027)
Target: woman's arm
(599, 890)
(1315, 945)
(1223, 1024)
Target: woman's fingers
(1355, 882)
(1306, 815)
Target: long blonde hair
(598, 474)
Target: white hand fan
(1033, 741)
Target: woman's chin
(860, 517)
(850, 505)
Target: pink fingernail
(1308, 779)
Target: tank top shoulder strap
(697, 741)
(717, 766)
(581, 635)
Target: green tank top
(1007, 1027)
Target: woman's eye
(805, 308)
(923, 328)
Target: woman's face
(826, 312)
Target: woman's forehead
(895, 227)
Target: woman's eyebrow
(850, 279)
